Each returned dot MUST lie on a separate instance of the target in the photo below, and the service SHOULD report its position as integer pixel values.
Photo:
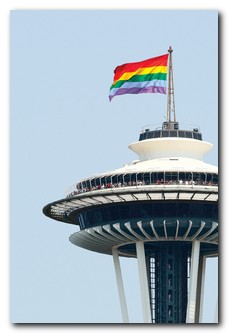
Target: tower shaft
(168, 279)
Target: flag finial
(170, 50)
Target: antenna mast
(170, 100)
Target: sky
(63, 128)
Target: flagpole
(170, 99)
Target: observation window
(133, 211)
(148, 178)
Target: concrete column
(121, 292)
(144, 288)
(191, 308)
(201, 288)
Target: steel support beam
(121, 290)
(144, 289)
(200, 289)
(191, 308)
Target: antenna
(171, 99)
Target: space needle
(161, 209)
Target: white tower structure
(161, 209)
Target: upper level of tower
(170, 130)
(170, 142)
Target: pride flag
(147, 76)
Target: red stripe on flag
(130, 67)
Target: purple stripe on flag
(138, 90)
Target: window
(143, 136)
(215, 178)
(171, 176)
(157, 134)
(150, 135)
(195, 135)
(170, 210)
(165, 133)
(173, 133)
(207, 210)
(181, 134)
(183, 210)
(158, 209)
(147, 211)
(196, 210)
(188, 134)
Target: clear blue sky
(64, 128)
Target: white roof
(161, 165)
(163, 154)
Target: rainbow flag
(147, 76)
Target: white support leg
(191, 308)
(202, 289)
(143, 282)
(122, 298)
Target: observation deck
(168, 194)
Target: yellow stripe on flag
(145, 70)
